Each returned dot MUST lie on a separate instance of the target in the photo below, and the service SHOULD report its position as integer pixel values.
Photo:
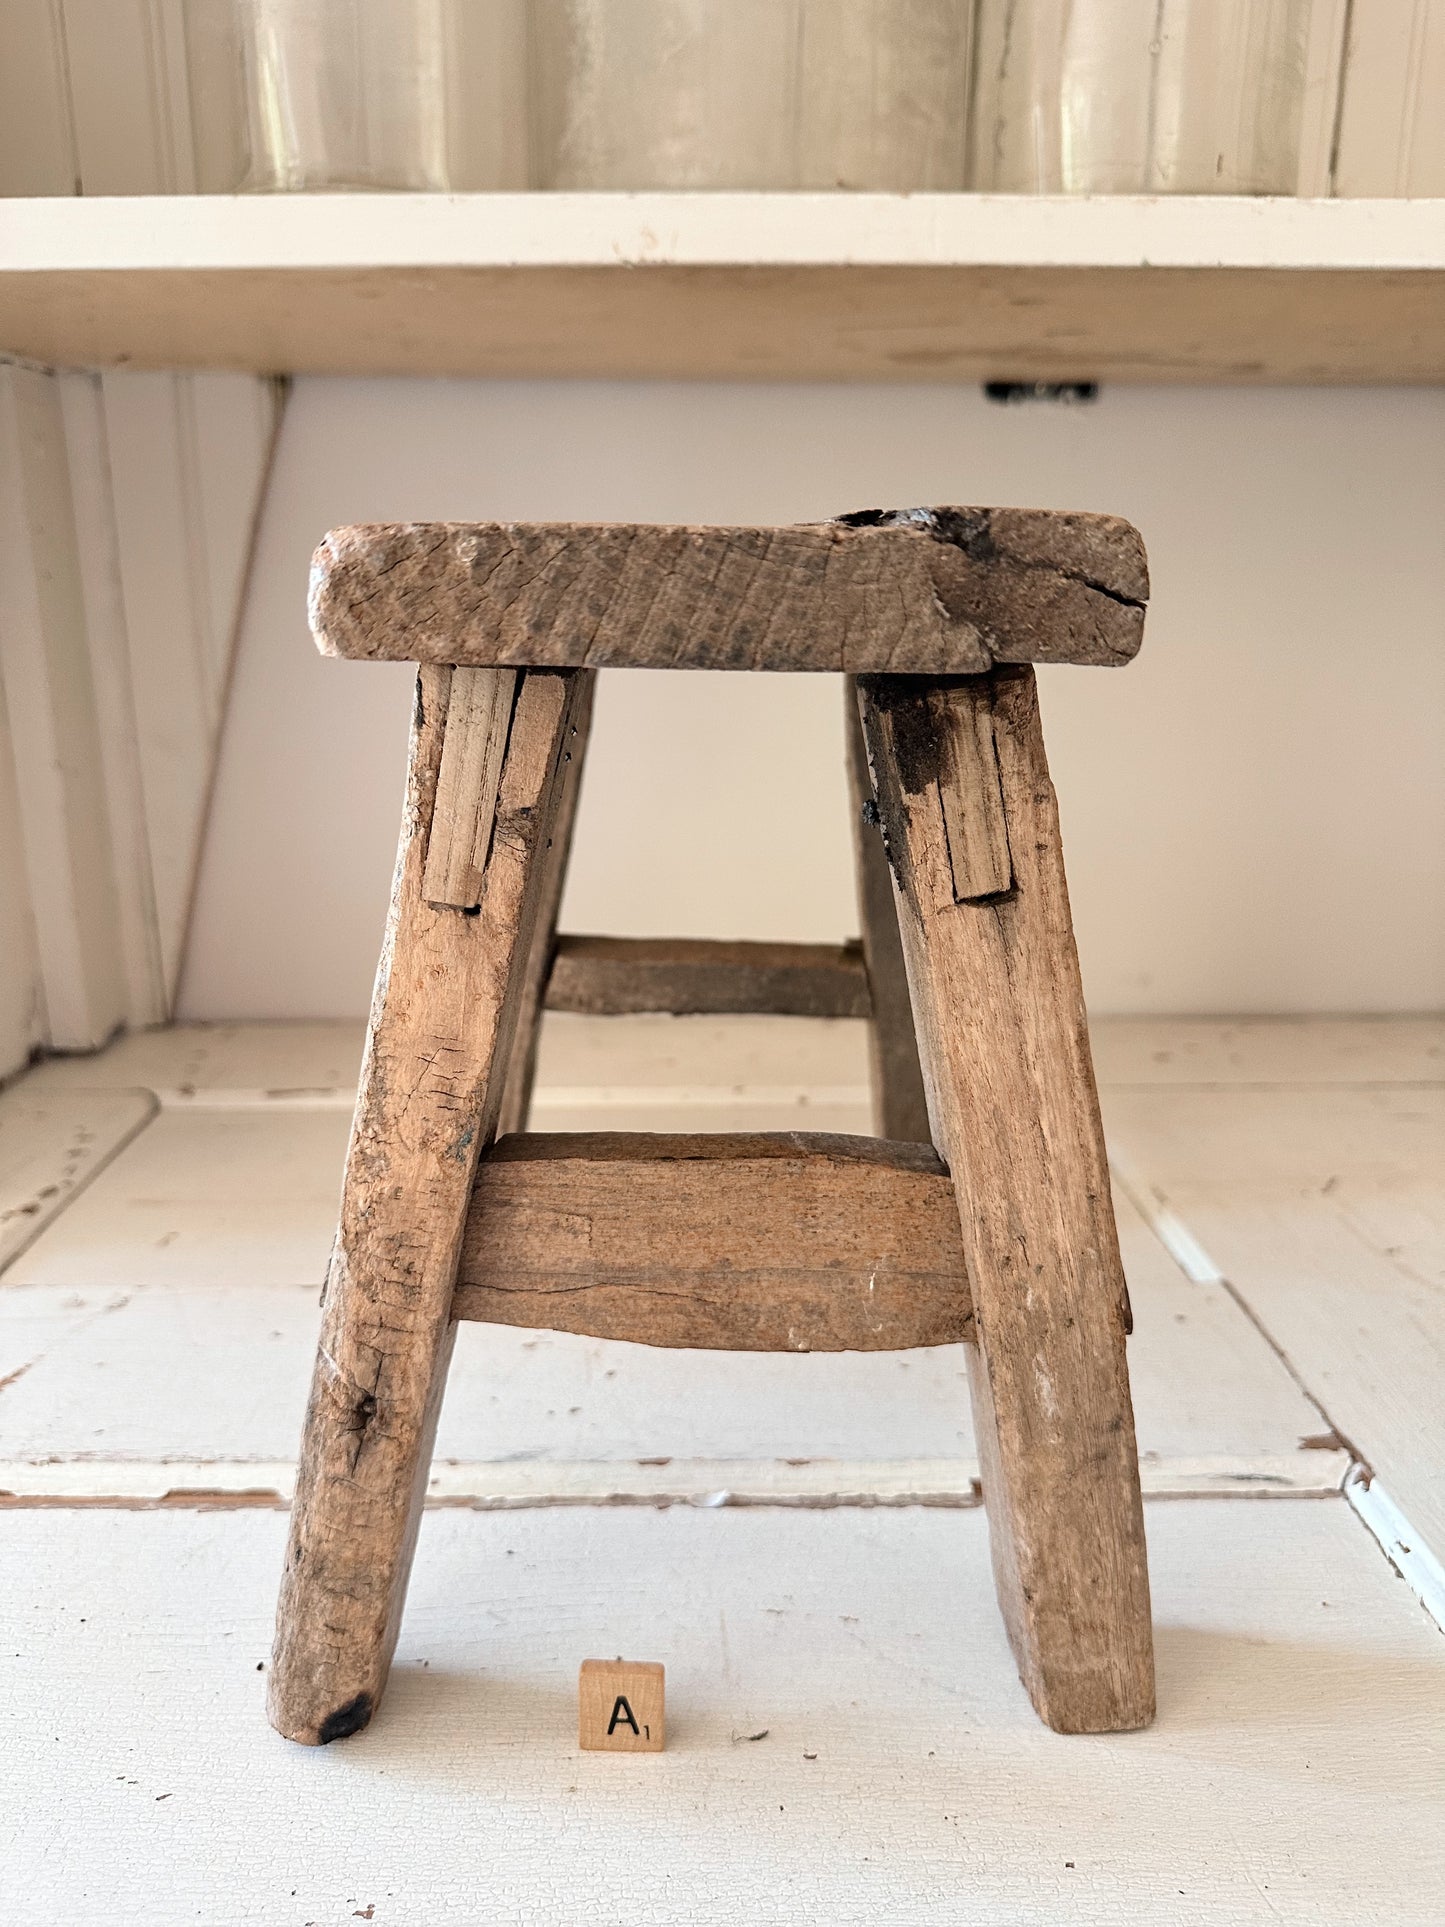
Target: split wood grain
(791, 1242)
(900, 1108)
(973, 814)
(921, 591)
(552, 879)
(621, 976)
(479, 707)
(440, 1037)
(1005, 1052)
(621, 1706)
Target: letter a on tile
(622, 1711)
(620, 1706)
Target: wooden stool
(787, 1242)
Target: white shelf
(764, 285)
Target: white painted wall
(1254, 812)
(55, 731)
(126, 508)
(128, 502)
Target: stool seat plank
(790, 1242)
(946, 591)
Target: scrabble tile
(619, 1706)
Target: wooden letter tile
(619, 1706)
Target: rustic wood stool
(788, 1242)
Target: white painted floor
(797, 1538)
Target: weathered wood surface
(620, 976)
(925, 591)
(439, 1042)
(1006, 1061)
(900, 1109)
(479, 704)
(973, 814)
(780, 1243)
(552, 879)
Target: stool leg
(972, 834)
(552, 863)
(482, 798)
(899, 1106)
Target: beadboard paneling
(1391, 137)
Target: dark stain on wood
(346, 1720)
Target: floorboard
(848, 1741)
(52, 1145)
(798, 1539)
(1327, 1219)
(214, 1228)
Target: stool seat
(982, 1214)
(936, 592)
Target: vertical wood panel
(129, 96)
(1392, 111)
(21, 1013)
(1324, 76)
(188, 458)
(487, 81)
(162, 591)
(99, 555)
(153, 513)
(37, 148)
(213, 57)
(50, 694)
(95, 97)
(230, 429)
